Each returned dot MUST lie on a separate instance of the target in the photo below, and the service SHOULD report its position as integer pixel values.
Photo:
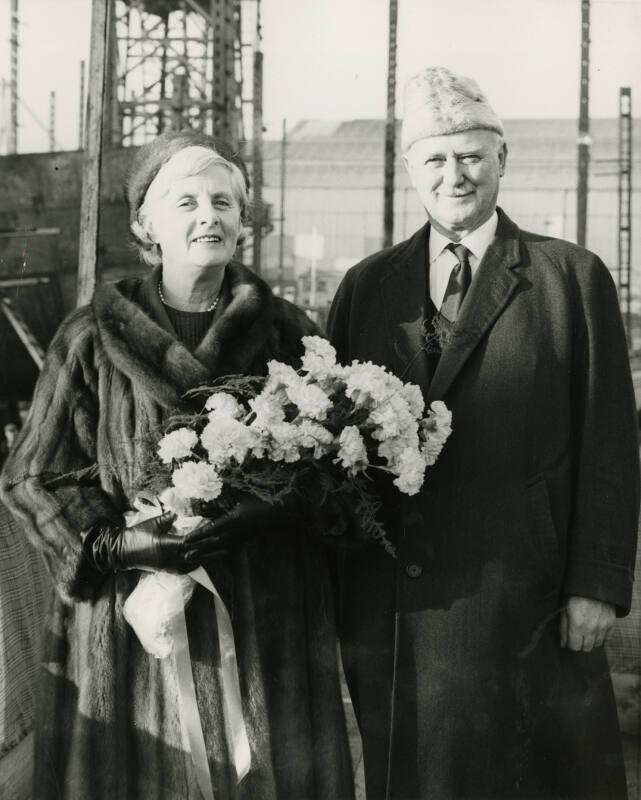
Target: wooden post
(257, 159)
(583, 140)
(625, 208)
(52, 121)
(390, 129)
(81, 111)
(281, 237)
(92, 157)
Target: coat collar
(405, 298)
(140, 342)
(490, 291)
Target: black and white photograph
(320, 338)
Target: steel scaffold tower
(175, 63)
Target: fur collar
(142, 346)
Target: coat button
(414, 570)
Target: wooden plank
(92, 158)
(23, 331)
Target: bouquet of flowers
(318, 433)
(321, 431)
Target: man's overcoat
(109, 725)
(535, 497)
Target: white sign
(309, 245)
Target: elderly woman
(109, 718)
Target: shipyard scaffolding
(160, 65)
(174, 63)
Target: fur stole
(253, 326)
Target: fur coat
(109, 723)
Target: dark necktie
(458, 283)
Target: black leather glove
(111, 547)
(250, 517)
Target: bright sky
(328, 58)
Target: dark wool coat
(535, 497)
(109, 724)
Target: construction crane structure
(174, 63)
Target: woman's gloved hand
(110, 547)
(250, 517)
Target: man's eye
(185, 202)
(221, 203)
(471, 159)
(435, 161)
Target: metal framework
(13, 124)
(625, 204)
(583, 140)
(175, 63)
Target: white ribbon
(235, 730)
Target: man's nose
(453, 172)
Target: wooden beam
(23, 331)
(92, 157)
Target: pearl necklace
(211, 308)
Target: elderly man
(475, 660)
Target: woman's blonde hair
(187, 162)
(173, 155)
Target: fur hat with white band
(438, 102)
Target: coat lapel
(404, 298)
(489, 293)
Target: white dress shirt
(442, 261)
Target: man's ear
(502, 159)
(407, 169)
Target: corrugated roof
(535, 141)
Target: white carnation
(227, 439)
(284, 443)
(311, 400)
(280, 375)
(352, 454)
(319, 360)
(435, 430)
(224, 403)
(365, 383)
(370, 384)
(197, 480)
(268, 410)
(311, 435)
(392, 417)
(177, 444)
(411, 471)
(441, 411)
(414, 399)
(391, 450)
